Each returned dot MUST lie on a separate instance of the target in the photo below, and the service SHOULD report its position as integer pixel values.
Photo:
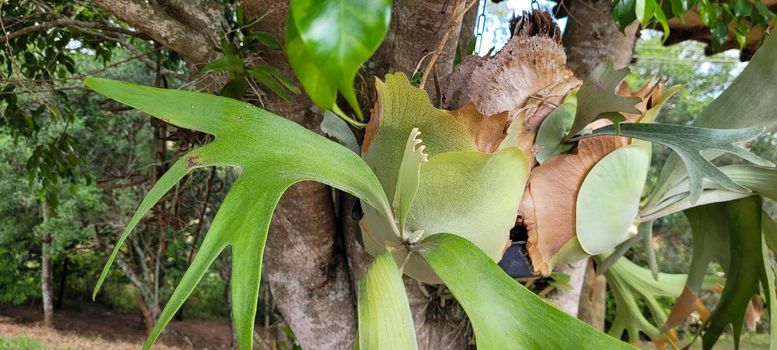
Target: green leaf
(742, 8)
(247, 138)
(335, 127)
(706, 12)
(719, 31)
(767, 285)
(763, 10)
(549, 142)
(336, 36)
(608, 200)
(474, 193)
(677, 9)
(400, 107)
(661, 17)
(750, 92)
(689, 142)
(769, 227)
(384, 313)
(644, 10)
(745, 271)
(267, 40)
(629, 283)
(235, 88)
(624, 13)
(263, 75)
(597, 97)
(226, 63)
(408, 179)
(761, 181)
(504, 314)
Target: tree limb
(66, 23)
(162, 27)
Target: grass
(748, 341)
(20, 343)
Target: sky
(497, 17)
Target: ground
(91, 326)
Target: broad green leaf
(624, 13)
(677, 9)
(384, 313)
(689, 143)
(745, 103)
(504, 314)
(226, 63)
(763, 10)
(549, 142)
(597, 99)
(267, 40)
(263, 75)
(661, 17)
(759, 180)
(282, 78)
(235, 88)
(250, 139)
(315, 81)
(719, 31)
(408, 179)
(474, 193)
(336, 127)
(400, 107)
(644, 10)
(745, 272)
(742, 8)
(608, 200)
(338, 36)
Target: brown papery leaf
(753, 312)
(685, 304)
(548, 206)
(488, 132)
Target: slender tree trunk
(45, 270)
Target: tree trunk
(592, 37)
(45, 270)
(592, 298)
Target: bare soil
(92, 326)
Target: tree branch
(67, 22)
(162, 27)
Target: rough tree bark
(591, 36)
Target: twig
(456, 17)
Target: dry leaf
(753, 312)
(488, 132)
(548, 206)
